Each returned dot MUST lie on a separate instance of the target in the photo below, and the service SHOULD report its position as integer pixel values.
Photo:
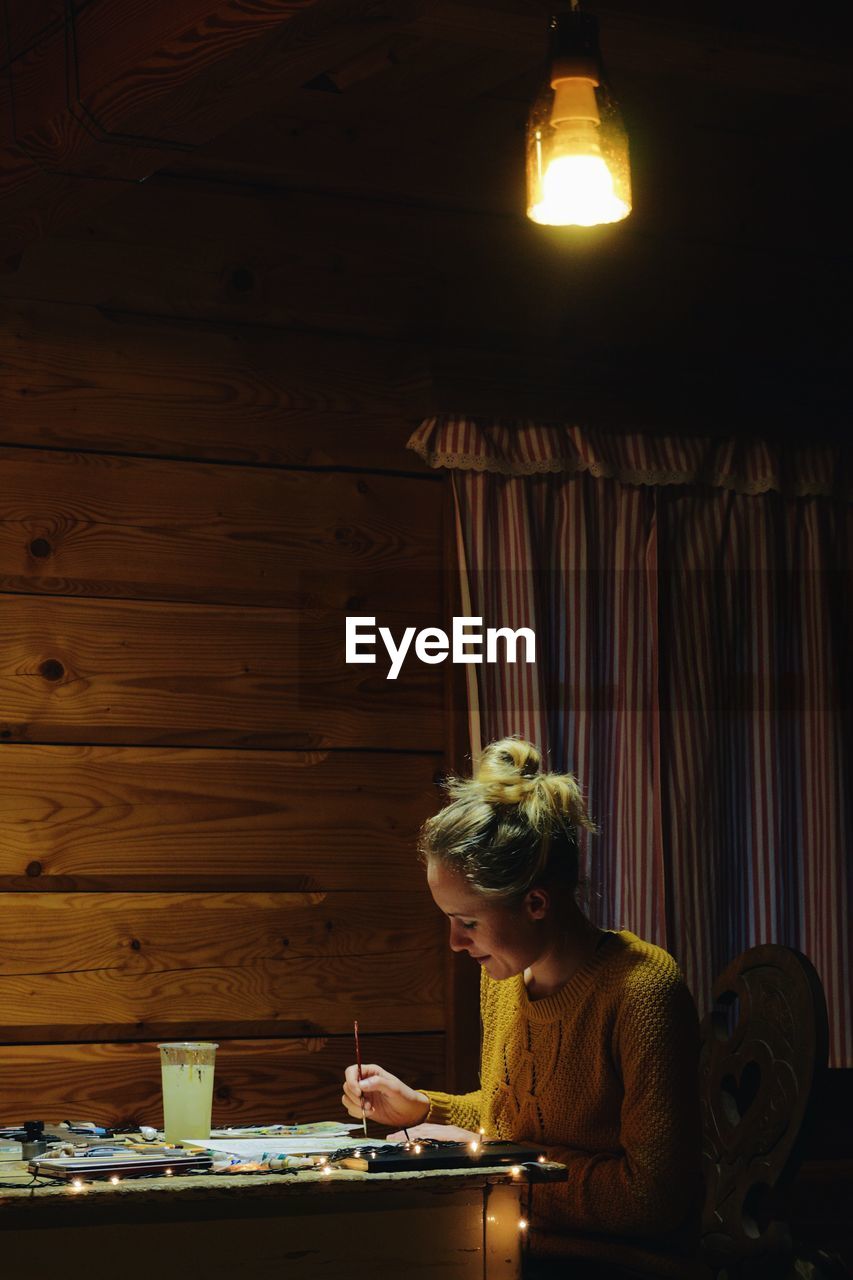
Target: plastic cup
(187, 1070)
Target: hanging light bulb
(577, 149)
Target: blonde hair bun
(509, 775)
(510, 826)
(507, 769)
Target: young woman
(590, 1038)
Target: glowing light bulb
(577, 186)
(578, 172)
(115, 1179)
(76, 1184)
(522, 1224)
(168, 1173)
(475, 1146)
(327, 1172)
(515, 1170)
(418, 1149)
(541, 1159)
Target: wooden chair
(764, 1048)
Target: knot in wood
(40, 548)
(52, 669)
(33, 868)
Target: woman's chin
(496, 969)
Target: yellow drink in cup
(187, 1070)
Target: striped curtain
(691, 604)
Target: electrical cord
(32, 1185)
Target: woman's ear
(537, 902)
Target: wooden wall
(207, 820)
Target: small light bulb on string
(475, 1146)
(76, 1184)
(418, 1148)
(115, 1179)
(515, 1170)
(522, 1224)
(168, 1173)
(541, 1159)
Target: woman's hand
(387, 1100)
(440, 1132)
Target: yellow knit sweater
(603, 1074)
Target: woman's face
(504, 940)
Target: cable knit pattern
(603, 1074)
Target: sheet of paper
(316, 1128)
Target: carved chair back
(764, 1048)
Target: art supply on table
(118, 1166)
(86, 1129)
(187, 1074)
(427, 1154)
(277, 1163)
(360, 1076)
(258, 1148)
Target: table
(459, 1224)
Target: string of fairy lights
(325, 1165)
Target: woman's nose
(458, 937)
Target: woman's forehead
(452, 892)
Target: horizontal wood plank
(75, 818)
(256, 1081)
(108, 96)
(74, 377)
(95, 525)
(299, 997)
(323, 264)
(150, 933)
(739, 140)
(133, 673)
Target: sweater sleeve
(652, 1185)
(462, 1109)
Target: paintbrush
(358, 1064)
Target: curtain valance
(524, 448)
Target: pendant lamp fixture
(577, 148)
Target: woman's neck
(570, 952)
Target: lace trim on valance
(527, 449)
